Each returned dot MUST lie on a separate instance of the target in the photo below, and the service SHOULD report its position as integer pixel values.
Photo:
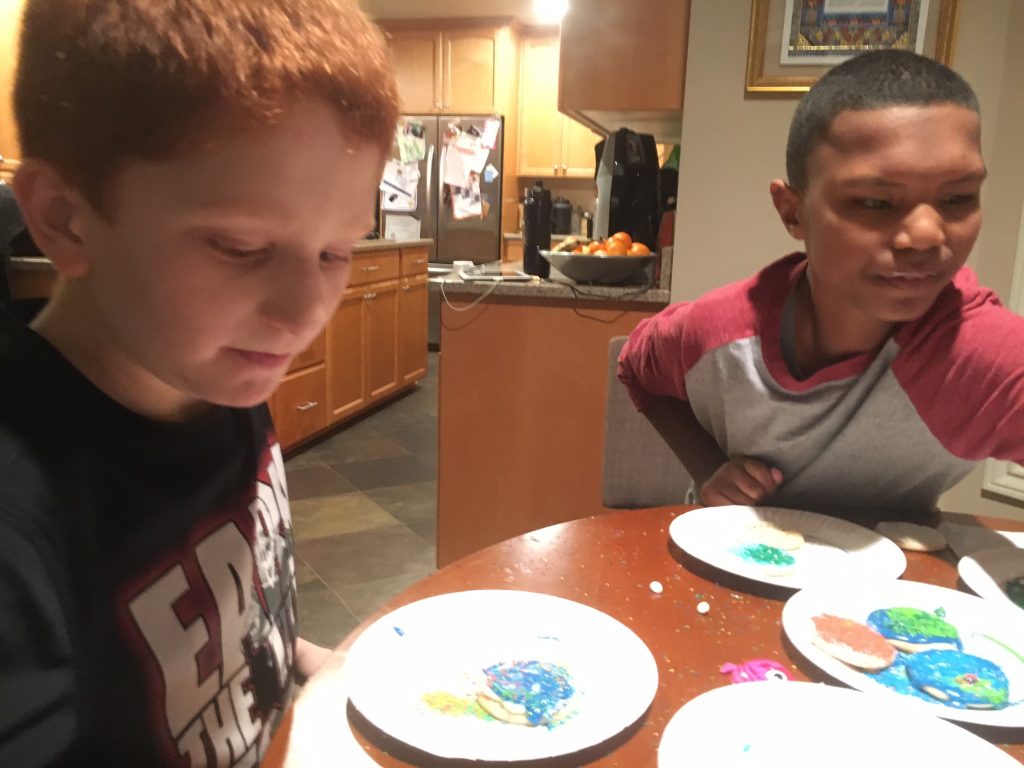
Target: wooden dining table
(609, 562)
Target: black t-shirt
(147, 602)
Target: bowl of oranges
(615, 260)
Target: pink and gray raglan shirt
(880, 435)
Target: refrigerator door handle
(430, 169)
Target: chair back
(640, 469)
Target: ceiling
(448, 9)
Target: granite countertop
(554, 237)
(363, 246)
(558, 287)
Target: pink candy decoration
(755, 669)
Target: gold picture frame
(767, 20)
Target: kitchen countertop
(562, 288)
(363, 246)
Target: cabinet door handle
(405, 288)
(367, 296)
(554, 169)
(371, 268)
(307, 406)
(420, 261)
(563, 170)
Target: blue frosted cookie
(959, 679)
(913, 630)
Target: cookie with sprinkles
(853, 643)
(527, 693)
(959, 679)
(914, 630)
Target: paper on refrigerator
(397, 227)
(398, 186)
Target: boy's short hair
(102, 82)
(872, 80)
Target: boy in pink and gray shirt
(865, 376)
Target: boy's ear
(54, 212)
(789, 203)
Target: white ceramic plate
(990, 571)
(833, 548)
(432, 652)
(987, 629)
(782, 725)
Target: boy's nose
(296, 301)
(921, 229)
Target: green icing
(913, 622)
(984, 690)
(1015, 590)
(766, 555)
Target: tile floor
(364, 512)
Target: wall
(733, 146)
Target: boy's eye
(954, 200)
(334, 258)
(237, 252)
(874, 203)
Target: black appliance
(561, 217)
(536, 230)
(628, 197)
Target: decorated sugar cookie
(914, 630)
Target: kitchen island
(522, 388)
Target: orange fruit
(616, 247)
(639, 249)
(622, 237)
(593, 245)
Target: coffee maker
(627, 186)
(536, 230)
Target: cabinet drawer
(374, 266)
(316, 353)
(300, 405)
(414, 261)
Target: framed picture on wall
(794, 42)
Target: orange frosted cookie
(852, 643)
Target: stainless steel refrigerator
(463, 220)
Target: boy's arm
(37, 684)
(309, 658)
(719, 480)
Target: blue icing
(895, 678)
(968, 681)
(924, 668)
(541, 688)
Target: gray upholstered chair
(639, 468)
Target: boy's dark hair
(872, 80)
(102, 82)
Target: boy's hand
(740, 481)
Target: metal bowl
(603, 270)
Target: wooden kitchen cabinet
(412, 322)
(346, 394)
(550, 144)
(362, 349)
(417, 62)
(299, 406)
(412, 317)
(637, 85)
(380, 339)
(449, 71)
